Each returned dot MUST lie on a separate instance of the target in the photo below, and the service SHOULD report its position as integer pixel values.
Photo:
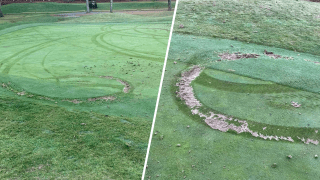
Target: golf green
(81, 61)
(77, 95)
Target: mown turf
(258, 90)
(50, 7)
(44, 66)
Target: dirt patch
(107, 77)
(219, 121)
(75, 101)
(185, 89)
(21, 93)
(126, 85)
(308, 141)
(270, 54)
(237, 55)
(106, 98)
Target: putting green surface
(261, 91)
(77, 98)
(72, 61)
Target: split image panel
(78, 91)
(240, 96)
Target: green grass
(286, 24)
(47, 141)
(53, 63)
(257, 90)
(49, 7)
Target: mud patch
(126, 85)
(21, 93)
(219, 121)
(106, 98)
(74, 101)
(237, 55)
(185, 90)
(270, 54)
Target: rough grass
(287, 24)
(47, 141)
(51, 7)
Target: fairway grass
(259, 91)
(77, 97)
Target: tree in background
(1, 14)
(169, 5)
(111, 2)
(87, 3)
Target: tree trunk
(169, 5)
(87, 3)
(1, 14)
(111, 2)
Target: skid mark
(9, 66)
(121, 52)
(226, 123)
(133, 53)
(16, 54)
(42, 63)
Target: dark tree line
(1, 14)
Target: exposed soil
(270, 54)
(185, 89)
(235, 56)
(106, 98)
(75, 101)
(126, 85)
(219, 121)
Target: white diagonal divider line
(159, 92)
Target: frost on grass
(219, 121)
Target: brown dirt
(270, 54)
(126, 85)
(75, 101)
(21, 93)
(235, 56)
(106, 98)
(185, 89)
(107, 77)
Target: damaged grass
(228, 123)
